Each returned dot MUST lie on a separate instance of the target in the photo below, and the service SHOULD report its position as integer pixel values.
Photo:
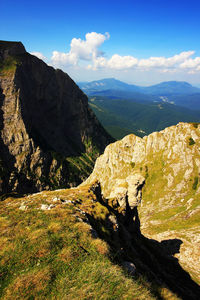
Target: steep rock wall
(169, 162)
(49, 136)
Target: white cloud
(192, 65)
(59, 59)
(39, 55)
(118, 62)
(88, 50)
(122, 62)
(165, 62)
(81, 50)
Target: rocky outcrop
(49, 136)
(129, 188)
(169, 163)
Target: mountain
(159, 174)
(172, 87)
(164, 88)
(107, 84)
(129, 232)
(121, 117)
(177, 92)
(49, 136)
(117, 89)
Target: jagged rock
(130, 189)
(8, 49)
(44, 120)
(169, 162)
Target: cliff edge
(49, 136)
(159, 174)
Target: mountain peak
(11, 48)
(173, 83)
(160, 171)
(45, 123)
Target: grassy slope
(52, 254)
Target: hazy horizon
(132, 83)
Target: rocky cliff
(126, 218)
(49, 136)
(158, 173)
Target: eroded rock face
(169, 162)
(129, 188)
(44, 119)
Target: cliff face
(164, 167)
(49, 136)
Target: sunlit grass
(51, 254)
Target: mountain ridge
(159, 173)
(180, 93)
(49, 135)
(108, 83)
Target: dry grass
(51, 254)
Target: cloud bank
(87, 50)
(86, 53)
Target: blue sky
(142, 42)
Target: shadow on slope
(154, 260)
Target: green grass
(52, 255)
(8, 65)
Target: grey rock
(129, 267)
(47, 207)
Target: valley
(121, 117)
(123, 108)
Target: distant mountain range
(175, 92)
(108, 84)
(167, 87)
